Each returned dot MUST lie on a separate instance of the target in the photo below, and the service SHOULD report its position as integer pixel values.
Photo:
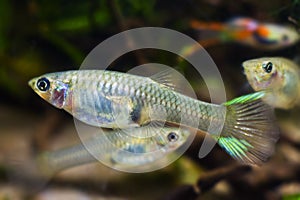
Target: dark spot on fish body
(113, 161)
(285, 38)
(140, 114)
(136, 113)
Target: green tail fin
(250, 132)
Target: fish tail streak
(213, 26)
(250, 132)
(241, 35)
(190, 50)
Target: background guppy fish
(118, 100)
(279, 76)
(114, 148)
(248, 31)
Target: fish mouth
(31, 83)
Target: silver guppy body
(116, 100)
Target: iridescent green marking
(235, 147)
(245, 98)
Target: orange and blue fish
(246, 31)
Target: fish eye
(172, 137)
(285, 37)
(267, 67)
(43, 84)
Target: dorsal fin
(165, 77)
(174, 80)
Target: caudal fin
(250, 132)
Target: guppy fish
(279, 76)
(116, 148)
(247, 31)
(119, 100)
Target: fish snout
(32, 82)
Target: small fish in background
(125, 150)
(279, 76)
(119, 100)
(114, 148)
(246, 31)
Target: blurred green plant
(145, 9)
(291, 197)
(34, 33)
